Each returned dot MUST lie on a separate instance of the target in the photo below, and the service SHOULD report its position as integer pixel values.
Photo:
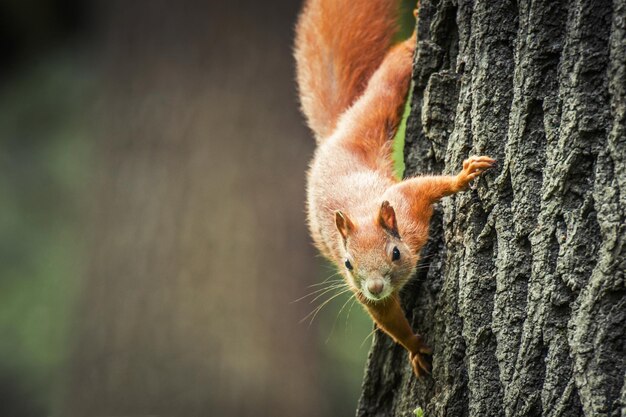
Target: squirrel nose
(375, 286)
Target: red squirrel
(352, 90)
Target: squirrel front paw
(420, 358)
(421, 363)
(472, 168)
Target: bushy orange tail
(339, 44)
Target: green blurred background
(152, 228)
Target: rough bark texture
(522, 294)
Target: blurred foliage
(399, 139)
(407, 20)
(44, 163)
(407, 26)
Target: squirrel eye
(395, 254)
(348, 265)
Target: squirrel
(353, 88)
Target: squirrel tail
(339, 44)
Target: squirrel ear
(387, 218)
(344, 224)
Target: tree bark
(521, 291)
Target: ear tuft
(387, 218)
(344, 224)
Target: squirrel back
(352, 89)
(339, 44)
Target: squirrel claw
(473, 167)
(421, 358)
(421, 363)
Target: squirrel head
(376, 260)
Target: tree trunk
(522, 292)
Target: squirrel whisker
(325, 289)
(319, 308)
(353, 296)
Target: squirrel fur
(353, 88)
